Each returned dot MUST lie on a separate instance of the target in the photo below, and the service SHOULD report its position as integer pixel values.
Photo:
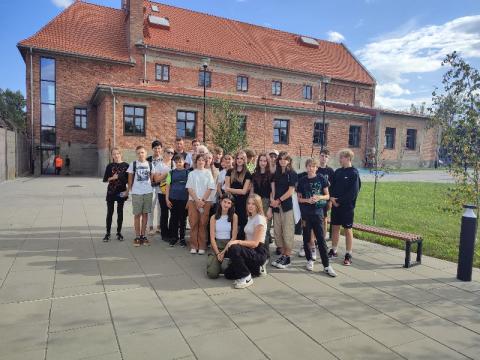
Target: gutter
(259, 106)
(76, 55)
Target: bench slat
(387, 232)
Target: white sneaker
(314, 253)
(301, 252)
(201, 252)
(329, 271)
(193, 251)
(263, 269)
(309, 265)
(244, 282)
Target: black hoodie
(345, 187)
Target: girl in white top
(227, 164)
(211, 166)
(248, 257)
(223, 228)
(200, 185)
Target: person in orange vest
(58, 164)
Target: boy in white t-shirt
(140, 178)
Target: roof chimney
(135, 12)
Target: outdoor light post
(467, 243)
(205, 64)
(325, 81)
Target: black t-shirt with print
(307, 187)
(328, 173)
(115, 187)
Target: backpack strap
(134, 171)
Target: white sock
(334, 248)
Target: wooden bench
(407, 237)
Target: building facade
(100, 77)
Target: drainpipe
(114, 117)
(145, 63)
(31, 113)
(366, 142)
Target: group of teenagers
(232, 202)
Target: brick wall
(426, 141)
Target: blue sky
(400, 42)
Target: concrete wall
(14, 155)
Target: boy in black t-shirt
(344, 191)
(313, 197)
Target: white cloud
(335, 36)
(420, 50)
(62, 3)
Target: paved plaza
(67, 295)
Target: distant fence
(14, 154)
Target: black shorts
(342, 217)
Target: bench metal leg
(408, 246)
(419, 251)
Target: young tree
(456, 112)
(226, 126)
(12, 106)
(379, 169)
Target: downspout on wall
(114, 117)
(32, 140)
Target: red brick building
(99, 77)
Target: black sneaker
(173, 242)
(348, 260)
(278, 261)
(332, 254)
(284, 263)
(137, 241)
(144, 240)
(183, 243)
(120, 237)
(106, 238)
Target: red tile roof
(98, 31)
(214, 36)
(246, 99)
(85, 29)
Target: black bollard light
(467, 243)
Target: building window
(276, 88)
(307, 92)
(205, 76)
(411, 139)
(318, 133)
(354, 136)
(280, 131)
(134, 119)
(80, 118)
(162, 72)
(243, 123)
(390, 138)
(242, 83)
(47, 102)
(186, 124)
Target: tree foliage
(225, 124)
(418, 109)
(456, 111)
(12, 106)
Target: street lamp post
(205, 64)
(325, 81)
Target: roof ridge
(243, 22)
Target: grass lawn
(413, 207)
